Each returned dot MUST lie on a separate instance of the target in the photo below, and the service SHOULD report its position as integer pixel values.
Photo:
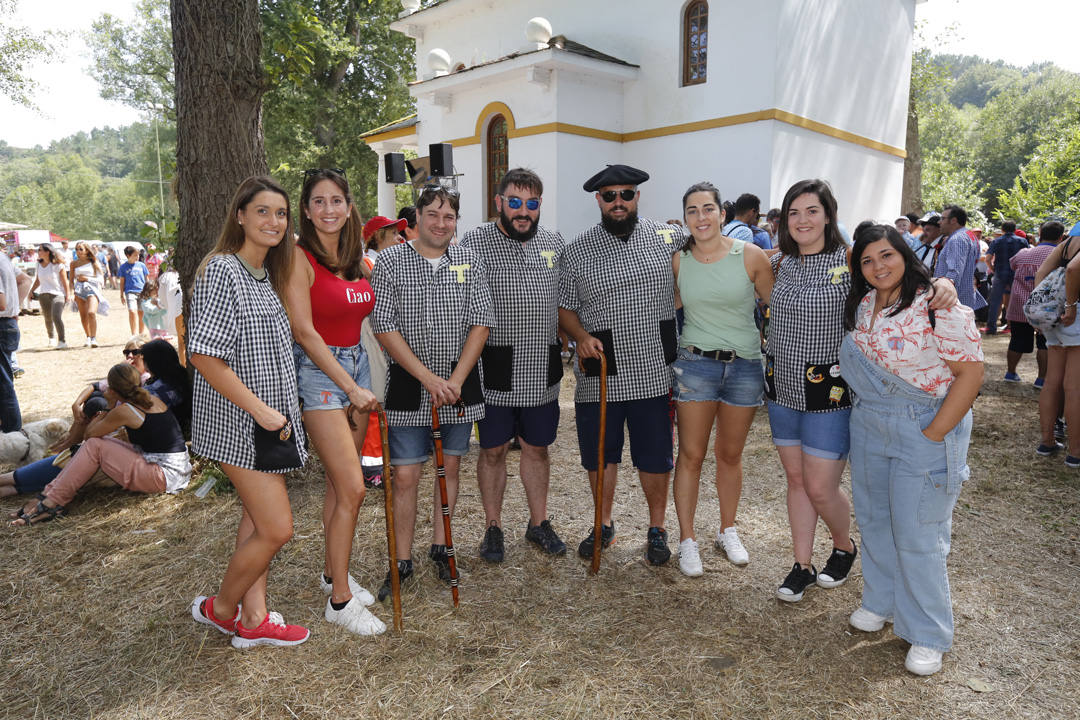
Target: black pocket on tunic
(555, 370)
(472, 392)
(592, 365)
(498, 367)
(770, 377)
(825, 389)
(669, 339)
(402, 390)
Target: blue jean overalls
(904, 487)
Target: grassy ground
(96, 617)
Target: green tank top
(718, 304)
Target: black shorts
(1024, 338)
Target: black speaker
(395, 168)
(442, 159)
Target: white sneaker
(863, 619)
(87, 343)
(729, 542)
(354, 617)
(52, 342)
(923, 660)
(61, 346)
(93, 342)
(689, 559)
(355, 588)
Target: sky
(69, 100)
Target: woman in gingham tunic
(809, 402)
(240, 345)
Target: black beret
(615, 175)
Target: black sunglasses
(514, 203)
(609, 195)
(132, 353)
(316, 171)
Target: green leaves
(18, 48)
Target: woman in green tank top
(718, 373)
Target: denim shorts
(740, 383)
(824, 435)
(319, 392)
(649, 424)
(1061, 335)
(131, 299)
(412, 444)
(84, 290)
(537, 426)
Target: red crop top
(338, 306)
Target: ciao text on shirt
(358, 297)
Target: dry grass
(97, 624)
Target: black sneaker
(657, 551)
(837, 567)
(404, 569)
(796, 582)
(607, 537)
(546, 538)
(492, 547)
(441, 559)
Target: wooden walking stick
(440, 472)
(391, 541)
(598, 486)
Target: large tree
(217, 51)
(18, 48)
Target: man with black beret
(616, 297)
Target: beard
(619, 228)
(507, 225)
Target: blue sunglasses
(515, 203)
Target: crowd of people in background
(866, 348)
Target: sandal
(31, 518)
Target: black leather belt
(721, 355)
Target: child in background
(153, 311)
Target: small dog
(32, 442)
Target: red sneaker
(202, 610)
(272, 631)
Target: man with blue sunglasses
(522, 359)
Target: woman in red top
(329, 296)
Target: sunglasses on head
(315, 171)
(437, 189)
(610, 195)
(132, 353)
(514, 203)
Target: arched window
(497, 159)
(695, 42)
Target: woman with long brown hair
(329, 297)
(87, 277)
(247, 416)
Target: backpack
(1046, 303)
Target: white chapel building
(751, 95)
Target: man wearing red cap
(522, 359)
(616, 297)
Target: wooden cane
(391, 541)
(440, 472)
(598, 486)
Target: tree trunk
(217, 50)
(911, 195)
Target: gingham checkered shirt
(806, 319)
(524, 282)
(240, 320)
(957, 261)
(627, 287)
(434, 312)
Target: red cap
(1021, 233)
(379, 222)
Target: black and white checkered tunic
(806, 322)
(240, 320)
(522, 363)
(625, 288)
(434, 311)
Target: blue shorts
(535, 425)
(1061, 335)
(824, 435)
(412, 444)
(649, 424)
(319, 392)
(740, 383)
(32, 478)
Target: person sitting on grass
(156, 460)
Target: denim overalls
(904, 487)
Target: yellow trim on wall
(512, 131)
(390, 135)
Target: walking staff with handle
(440, 472)
(598, 486)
